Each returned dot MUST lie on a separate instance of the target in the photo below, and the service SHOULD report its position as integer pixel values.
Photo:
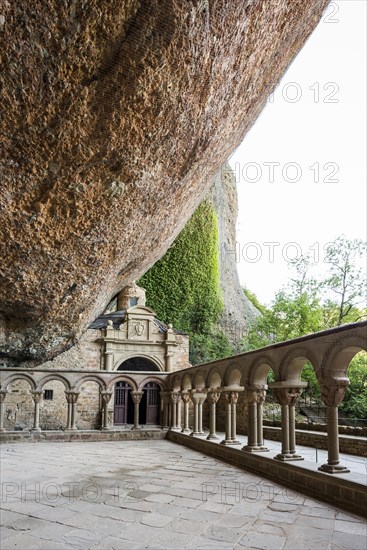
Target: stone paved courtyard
(155, 494)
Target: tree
(345, 279)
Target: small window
(49, 395)
(133, 302)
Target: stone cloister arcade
(241, 379)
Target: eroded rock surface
(115, 117)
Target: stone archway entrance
(124, 406)
(138, 364)
(150, 405)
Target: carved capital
(287, 396)
(37, 395)
(175, 397)
(71, 396)
(136, 396)
(198, 396)
(333, 391)
(231, 397)
(185, 396)
(106, 397)
(213, 397)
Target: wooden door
(153, 403)
(121, 402)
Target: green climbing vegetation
(183, 286)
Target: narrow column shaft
(260, 435)
(173, 415)
(292, 430)
(68, 422)
(36, 416)
(136, 397)
(212, 421)
(285, 430)
(178, 419)
(233, 422)
(73, 415)
(200, 418)
(186, 416)
(136, 416)
(37, 397)
(2, 409)
(332, 435)
(196, 418)
(252, 436)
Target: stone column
(174, 400)
(165, 396)
(261, 395)
(37, 398)
(213, 397)
(198, 398)
(252, 424)
(230, 437)
(106, 397)
(71, 398)
(332, 394)
(178, 419)
(2, 409)
(287, 398)
(136, 397)
(185, 396)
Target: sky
(314, 128)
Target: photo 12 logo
(273, 251)
(289, 172)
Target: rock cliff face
(116, 116)
(238, 310)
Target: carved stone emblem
(139, 328)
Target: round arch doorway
(139, 364)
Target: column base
(230, 442)
(334, 469)
(105, 429)
(136, 428)
(36, 430)
(212, 437)
(262, 449)
(284, 457)
(186, 431)
(195, 433)
(250, 449)
(2, 430)
(71, 429)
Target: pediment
(140, 310)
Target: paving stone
(201, 542)
(350, 527)
(308, 539)
(323, 512)
(236, 521)
(168, 539)
(270, 528)
(347, 540)
(210, 517)
(183, 502)
(215, 507)
(28, 542)
(156, 520)
(160, 497)
(317, 523)
(223, 534)
(263, 540)
(116, 544)
(280, 517)
(187, 526)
